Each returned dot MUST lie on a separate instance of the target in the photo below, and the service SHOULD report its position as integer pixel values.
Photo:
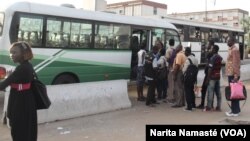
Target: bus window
(1, 23)
(204, 36)
(53, 29)
(122, 34)
(172, 34)
(194, 33)
(85, 35)
(106, 36)
(225, 36)
(158, 35)
(59, 32)
(29, 28)
(181, 32)
(215, 35)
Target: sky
(174, 6)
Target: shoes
(218, 109)
(141, 99)
(207, 109)
(155, 102)
(176, 106)
(200, 107)
(188, 110)
(230, 114)
(150, 105)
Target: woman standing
(233, 73)
(21, 109)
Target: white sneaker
(230, 114)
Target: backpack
(190, 75)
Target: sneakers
(200, 107)
(218, 109)
(230, 114)
(207, 109)
(141, 98)
(187, 110)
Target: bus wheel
(65, 79)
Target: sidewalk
(129, 124)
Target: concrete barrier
(75, 100)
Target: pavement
(129, 124)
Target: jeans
(162, 88)
(190, 96)
(235, 104)
(214, 87)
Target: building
(138, 8)
(229, 17)
(95, 5)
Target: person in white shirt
(140, 71)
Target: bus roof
(85, 14)
(201, 24)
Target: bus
(197, 34)
(74, 45)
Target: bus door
(139, 35)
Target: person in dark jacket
(21, 110)
(150, 76)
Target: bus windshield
(1, 23)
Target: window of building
(155, 11)
(120, 11)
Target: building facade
(95, 5)
(229, 17)
(138, 8)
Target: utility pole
(205, 10)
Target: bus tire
(65, 79)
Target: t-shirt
(141, 57)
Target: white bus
(197, 35)
(73, 45)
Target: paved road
(128, 124)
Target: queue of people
(174, 61)
(173, 90)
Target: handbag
(236, 91)
(40, 94)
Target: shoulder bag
(40, 93)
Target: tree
(246, 26)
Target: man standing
(233, 73)
(213, 80)
(189, 87)
(204, 84)
(140, 72)
(178, 76)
